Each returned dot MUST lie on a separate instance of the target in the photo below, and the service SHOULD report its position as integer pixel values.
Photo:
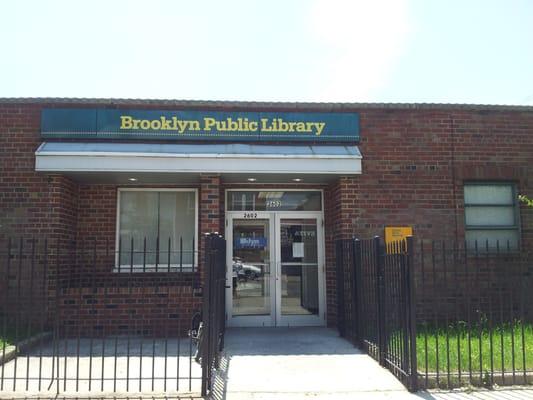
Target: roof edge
(322, 106)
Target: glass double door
(275, 269)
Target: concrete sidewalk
(119, 358)
(307, 363)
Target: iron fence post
(218, 316)
(356, 304)
(380, 297)
(402, 251)
(213, 308)
(206, 310)
(221, 284)
(412, 315)
(340, 288)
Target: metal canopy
(166, 162)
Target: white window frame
(275, 189)
(516, 211)
(151, 268)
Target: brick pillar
(341, 214)
(63, 208)
(210, 219)
(62, 225)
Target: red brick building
(450, 172)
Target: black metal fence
(377, 285)
(474, 314)
(214, 308)
(84, 317)
(471, 320)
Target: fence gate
(375, 285)
(93, 318)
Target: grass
(10, 336)
(459, 348)
(3, 343)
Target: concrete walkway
(309, 363)
(296, 363)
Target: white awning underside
(88, 159)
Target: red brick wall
(414, 166)
(97, 213)
(415, 161)
(130, 304)
(154, 301)
(209, 211)
(411, 158)
(33, 208)
(24, 195)
(63, 206)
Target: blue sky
(449, 51)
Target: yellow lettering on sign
(209, 123)
(264, 125)
(274, 125)
(165, 124)
(126, 122)
(319, 127)
(182, 125)
(194, 125)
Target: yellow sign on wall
(396, 233)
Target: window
(274, 201)
(491, 216)
(156, 229)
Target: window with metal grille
(491, 216)
(156, 229)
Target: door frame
(275, 318)
(249, 320)
(301, 320)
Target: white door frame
(249, 320)
(275, 318)
(301, 320)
